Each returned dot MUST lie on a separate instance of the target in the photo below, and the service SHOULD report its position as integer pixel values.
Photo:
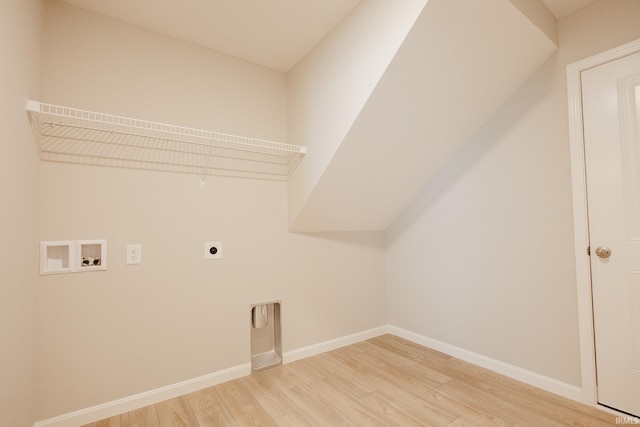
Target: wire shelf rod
(235, 173)
(158, 138)
(70, 135)
(110, 119)
(207, 157)
(169, 150)
(160, 163)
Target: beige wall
(483, 258)
(106, 335)
(20, 52)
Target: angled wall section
(329, 87)
(459, 63)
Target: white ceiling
(272, 33)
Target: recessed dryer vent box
(266, 335)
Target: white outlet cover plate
(207, 250)
(134, 254)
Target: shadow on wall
(371, 239)
(477, 147)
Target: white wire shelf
(71, 135)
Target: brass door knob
(603, 252)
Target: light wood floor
(385, 381)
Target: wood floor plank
(425, 395)
(214, 416)
(385, 381)
(506, 410)
(282, 377)
(434, 398)
(350, 350)
(143, 417)
(524, 395)
(316, 407)
(296, 419)
(415, 405)
(522, 398)
(556, 407)
(270, 396)
(244, 408)
(350, 385)
(402, 379)
(410, 349)
(107, 422)
(463, 422)
(405, 388)
(204, 399)
(176, 413)
(209, 409)
(351, 407)
(391, 410)
(405, 371)
(306, 370)
(358, 369)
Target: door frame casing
(580, 213)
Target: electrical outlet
(212, 250)
(134, 254)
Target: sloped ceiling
(272, 33)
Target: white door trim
(580, 215)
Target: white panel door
(611, 108)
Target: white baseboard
(126, 404)
(109, 409)
(312, 350)
(549, 384)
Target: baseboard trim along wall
(549, 384)
(312, 350)
(130, 403)
(109, 409)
